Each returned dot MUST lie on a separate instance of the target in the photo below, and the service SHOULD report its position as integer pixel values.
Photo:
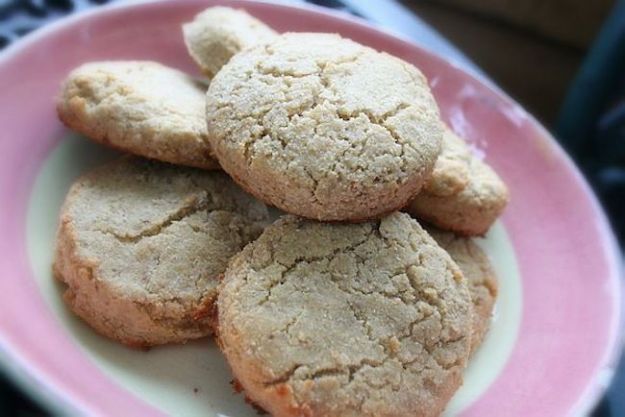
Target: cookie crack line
(325, 82)
(286, 330)
(321, 67)
(296, 262)
(156, 229)
(410, 334)
(375, 230)
(348, 370)
(303, 111)
(288, 269)
(351, 370)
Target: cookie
(141, 246)
(218, 33)
(480, 277)
(139, 107)
(463, 195)
(323, 127)
(327, 319)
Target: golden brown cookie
(327, 319)
(323, 127)
(463, 194)
(141, 246)
(218, 33)
(140, 107)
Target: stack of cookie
(344, 306)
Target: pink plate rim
(40, 383)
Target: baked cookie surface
(463, 194)
(480, 276)
(141, 246)
(364, 319)
(141, 107)
(323, 127)
(217, 33)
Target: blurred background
(563, 60)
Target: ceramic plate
(556, 330)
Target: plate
(558, 322)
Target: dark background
(563, 60)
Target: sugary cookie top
(346, 319)
(157, 232)
(336, 121)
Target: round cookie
(217, 33)
(323, 127)
(326, 319)
(463, 194)
(141, 246)
(480, 277)
(140, 107)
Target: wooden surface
(534, 69)
(572, 22)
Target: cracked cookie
(140, 107)
(217, 33)
(323, 127)
(327, 319)
(463, 194)
(141, 246)
(480, 277)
